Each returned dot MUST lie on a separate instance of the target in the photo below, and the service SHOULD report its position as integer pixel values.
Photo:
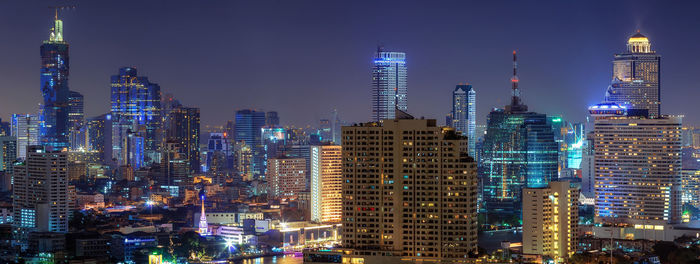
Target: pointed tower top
(56, 34)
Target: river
(274, 260)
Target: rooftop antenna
(515, 103)
(64, 7)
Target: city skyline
(549, 83)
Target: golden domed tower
(638, 43)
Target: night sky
(306, 58)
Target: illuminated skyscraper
(389, 89)
(326, 183)
(637, 167)
(136, 113)
(26, 129)
(463, 116)
(183, 128)
(55, 124)
(636, 77)
(519, 150)
(409, 190)
(41, 191)
(249, 124)
(550, 220)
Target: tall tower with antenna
(54, 130)
(516, 104)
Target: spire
(203, 227)
(56, 34)
(515, 103)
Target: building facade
(550, 220)
(389, 85)
(40, 191)
(286, 176)
(326, 183)
(409, 190)
(637, 168)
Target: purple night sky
(305, 58)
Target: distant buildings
(248, 130)
(8, 156)
(41, 201)
(389, 86)
(463, 115)
(183, 128)
(550, 220)
(636, 78)
(326, 183)
(409, 190)
(76, 114)
(286, 177)
(55, 126)
(519, 151)
(135, 116)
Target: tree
(663, 249)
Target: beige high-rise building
(326, 183)
(286, 176)
(41, 199)
(637, 170)
(409, 191)
(550, 220)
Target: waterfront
(274, 260)
(491, 240)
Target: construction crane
(56, 8)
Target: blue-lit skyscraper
(54, 128)
(389, 89)
(135, 113)
(249, 124)
(518, 151)
(463, 116)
